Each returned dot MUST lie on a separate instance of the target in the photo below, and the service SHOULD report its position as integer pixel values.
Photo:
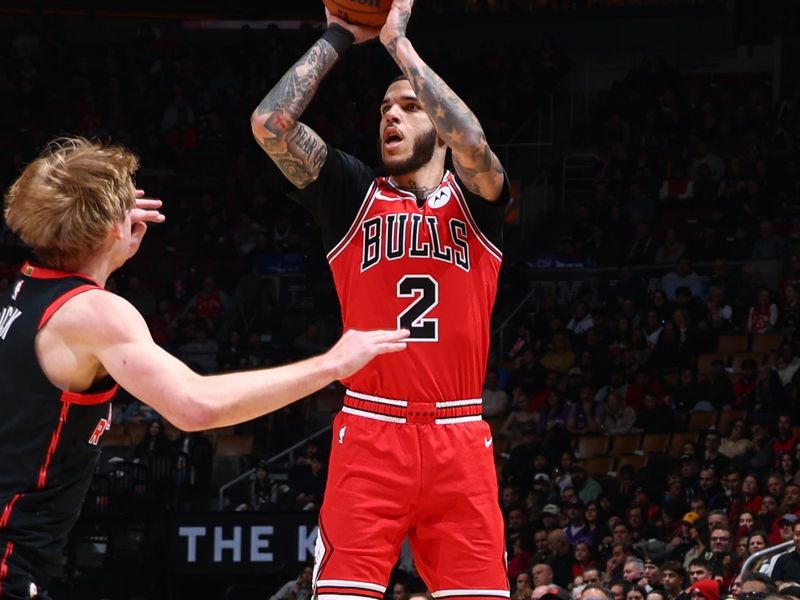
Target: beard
(421, 154)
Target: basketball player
(65, 345)
(417, 247)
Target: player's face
(407, 136)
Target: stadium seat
(729, 344)
(766, 342)
(727, 418)
(679, 438)
(599, 465)
(591, 445)
(637, 462)
(738, 359)
(123, 440)
(136, 431)
(625, 444)
(701, 421)
(234, 445)
(704, 362)
(655, 443)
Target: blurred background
(648, 299)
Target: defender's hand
(146, 210)
(356, 348)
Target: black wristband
(338, 37)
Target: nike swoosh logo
(487, 442)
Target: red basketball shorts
(398, 474)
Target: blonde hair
(65, 202)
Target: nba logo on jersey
(17, 289)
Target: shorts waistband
(447, 412)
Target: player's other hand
(146, 210)
(361, 33)
(356, 348)
(397, 21)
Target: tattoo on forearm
(454, 121)
(297, 150)
(299, 156)
(291, 95)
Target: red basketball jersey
(425, 268)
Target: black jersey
(48, 437)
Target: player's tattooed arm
(476, 164)
(296, 148)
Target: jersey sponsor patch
(440, 198)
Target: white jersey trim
(352, 584)
(494, 250)
(378, 399)
(365, 204)
(339, 597)
(369, 415)
(448, 593)
(454, 420)
(452, 403)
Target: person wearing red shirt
(786, 438)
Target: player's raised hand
(146, 210)
(361, 33)
(356, 348)
(397, 21)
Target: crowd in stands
(629, 358)
(647, 429)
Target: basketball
(371, 13)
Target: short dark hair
(675, 567)
(761, 578)
(700, 562)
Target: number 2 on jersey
(426, 291)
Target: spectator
(683, 276)
(787, 568)
(643, 249)
(785, 441)
(763, 316)
(768, 245)
(673, 576)
(719, 315)
(619, 417)
(562, 559)
(495, 400)
(735, 444)
(200, 352)
(154, 444)
(542, 575)
(560, 357)
(671, 249)
(704, 589)
(296, 589)
(581, 321)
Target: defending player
(65, 345)
(417, 247)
